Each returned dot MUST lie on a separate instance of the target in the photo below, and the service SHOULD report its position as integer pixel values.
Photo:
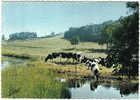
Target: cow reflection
(65, 93)
(93, 85)
(75, 83)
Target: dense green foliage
(87, 33)
(22, 36)
(75, 40)
(124, 40)
(106, 37)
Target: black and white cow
(48, 57)
(94, 67)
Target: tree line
(27, 35)
(88, 32)
(22, 35)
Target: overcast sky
(47, 17)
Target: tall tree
(75, 40)
(125, 40)
(106, 35)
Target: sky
(46, 17)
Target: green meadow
(42, 47)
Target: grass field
(43, 47)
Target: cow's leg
(96, 74)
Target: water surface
(99, 90)
(12, 61)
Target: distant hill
(87, 33)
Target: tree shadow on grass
(69, 49)
(91, 50)
(97, 50)
(65, 63)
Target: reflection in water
(9, 61)
(75, 83)
(127, 89)
(93, 85)
(5, 64)
(124, 88)
(107, 85)
(65, 93)
(81, 89)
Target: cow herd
(91, 63)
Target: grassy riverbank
(34, 81)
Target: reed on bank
(34, 81)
